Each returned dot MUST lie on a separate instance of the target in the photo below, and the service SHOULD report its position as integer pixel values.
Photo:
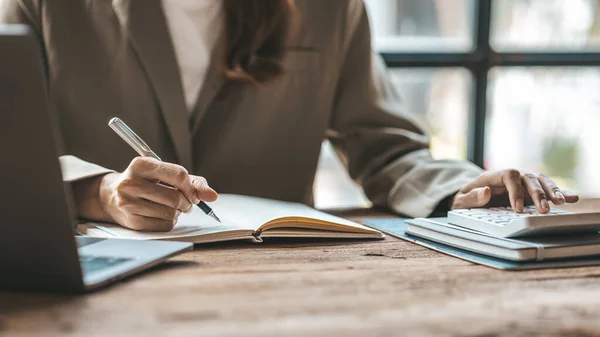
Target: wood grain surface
(319, 288)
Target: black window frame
(479, 61)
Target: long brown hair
(257, 32)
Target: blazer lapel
(149, 35)
(213, 83)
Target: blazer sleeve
(27, 12)
(382, 145)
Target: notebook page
(252, 210)
(197, 219)
(195, 223)
(116, 231)
(258, 211)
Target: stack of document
(501, 253)
(522, 249)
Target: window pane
(441, 97)
(441, 100)
(422, 25)
(546, 120)
(546, 24)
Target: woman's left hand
(512, 188)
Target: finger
(570, 197)
(152, 209)
(492, 179)
(499, 190)
(536, 192)
(498, 180)
(203, 191)
(552, 191)
(174, 175)
(158, 193)
(511, 179)
(482, 181)
(135, 206)
(478, 197)
(148, 224)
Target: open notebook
(245, 217)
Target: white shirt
(195, 26)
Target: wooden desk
(345, 289)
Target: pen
(144, 150)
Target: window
(503, 83)
(534, 25)
(421, 25)
(545, 119)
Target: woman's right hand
(135, 199)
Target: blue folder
(397, 227)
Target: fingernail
(177, 214)
(520, 205)
(196, 200)
(561, 197)
(189, 210)
(545, 204)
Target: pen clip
(132, 138)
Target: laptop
(38, 248)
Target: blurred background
(536, 117)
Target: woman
(220, 89)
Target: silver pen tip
(214, 216)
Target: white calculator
(505, 223)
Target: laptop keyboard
(86, 240)
(91, 264)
